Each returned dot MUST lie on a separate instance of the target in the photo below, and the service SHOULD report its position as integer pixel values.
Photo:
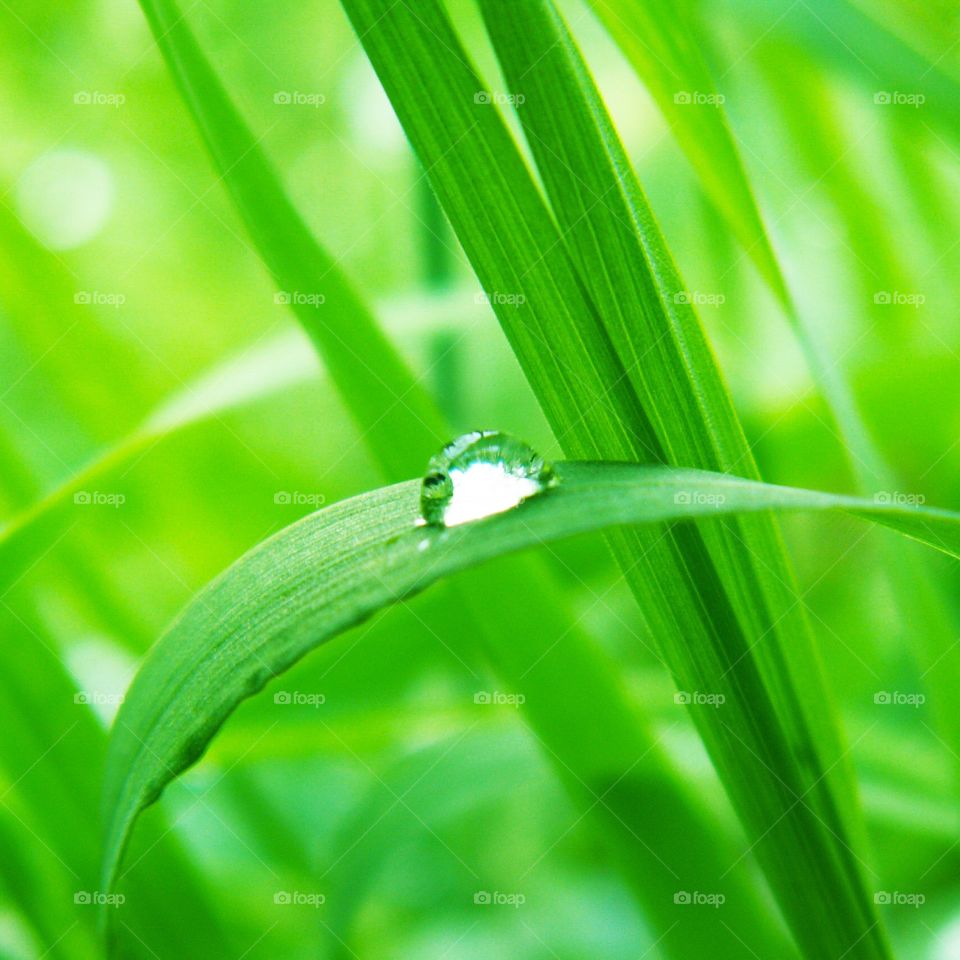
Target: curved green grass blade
(583, 741)
(337, 567)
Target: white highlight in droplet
(483, 489)
(65, 197)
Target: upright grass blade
(336, 567)
(606, 747)
(711, 625)
(374, 381)
(813, 128)
(607, 222)
(575, 186)
(661, 47)
(661, 41)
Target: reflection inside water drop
(480, 474)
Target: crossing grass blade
(335, 568)
(708, 612)
(844, 37)
(815, 131)
(661, 43)
(666, 56)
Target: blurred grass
(858, 198)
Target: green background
(128, 285)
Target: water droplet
(480, 474)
